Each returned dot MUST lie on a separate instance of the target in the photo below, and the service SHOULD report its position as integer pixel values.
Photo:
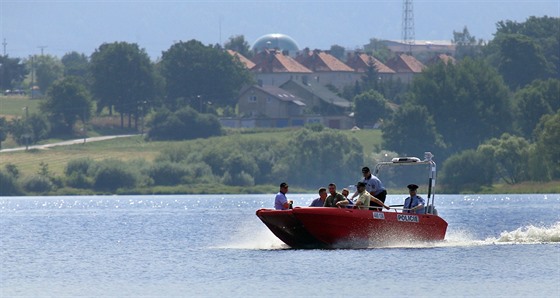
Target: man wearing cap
(414, 203)
(281, 202)
(365, 198)
(374, 187)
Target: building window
(252, 98)
(269, 99)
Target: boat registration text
(408, 218)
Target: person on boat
(414, 203)
(335, 199)
(365, 198)
(374, 186)
(320, 201)
(345, 192)
(281, 202)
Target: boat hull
(309, 227)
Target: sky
(57, 27)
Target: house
(274, 68)
(405, 67)
(244, 60)
(446, 59)
(317, 98)
(325, 106)
(270, 106)
(327, 69)
(361, 63)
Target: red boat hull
(310, 227)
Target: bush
(184, 124)
(37, 184)
(79, 180)
(167, 173)
(8, 185)
(112, 175)
(78, 166)
(240, 179)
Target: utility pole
(32, 76)
(408, 25)
(26, 135)
(42, 48)
(4, 43)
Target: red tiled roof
(405, 63)
(248, 63)
(321, 61)
(272, 61)
(360, 62)
(443, 58)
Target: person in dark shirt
(335, 199)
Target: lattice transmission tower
(408, 24)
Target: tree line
(203, 166)
(496, 94)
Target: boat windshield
(402, 171)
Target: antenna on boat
(431, 182)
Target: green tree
(111, 175)
(411, 131)
(530, 48)
(12, 72)
(468, 101)
(369, 108)
(9, 185)
(466, 45)
(67, 101)
(312, 156)
(521, 60)
(39, 126)
(77, 65)
(183, 124)
(197, 75)
(21, 131)
(338, 51)
(378, 49)
(239, 44)
(123, 78)
(548, 142)
(4, 128)
(510, 156)
(534, 101)
(467, 170)
(47, 69)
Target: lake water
(215, 246)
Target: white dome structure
(277, 41)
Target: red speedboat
(322, 227)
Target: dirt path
(66, 143)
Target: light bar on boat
(405, 159)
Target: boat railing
(412, 161)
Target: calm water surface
(215, 246)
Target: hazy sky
(59, 27)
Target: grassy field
(126, 149)
(14, 106)
(136, 147)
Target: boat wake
(253, 236)
(530, 234)
(524, 235)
